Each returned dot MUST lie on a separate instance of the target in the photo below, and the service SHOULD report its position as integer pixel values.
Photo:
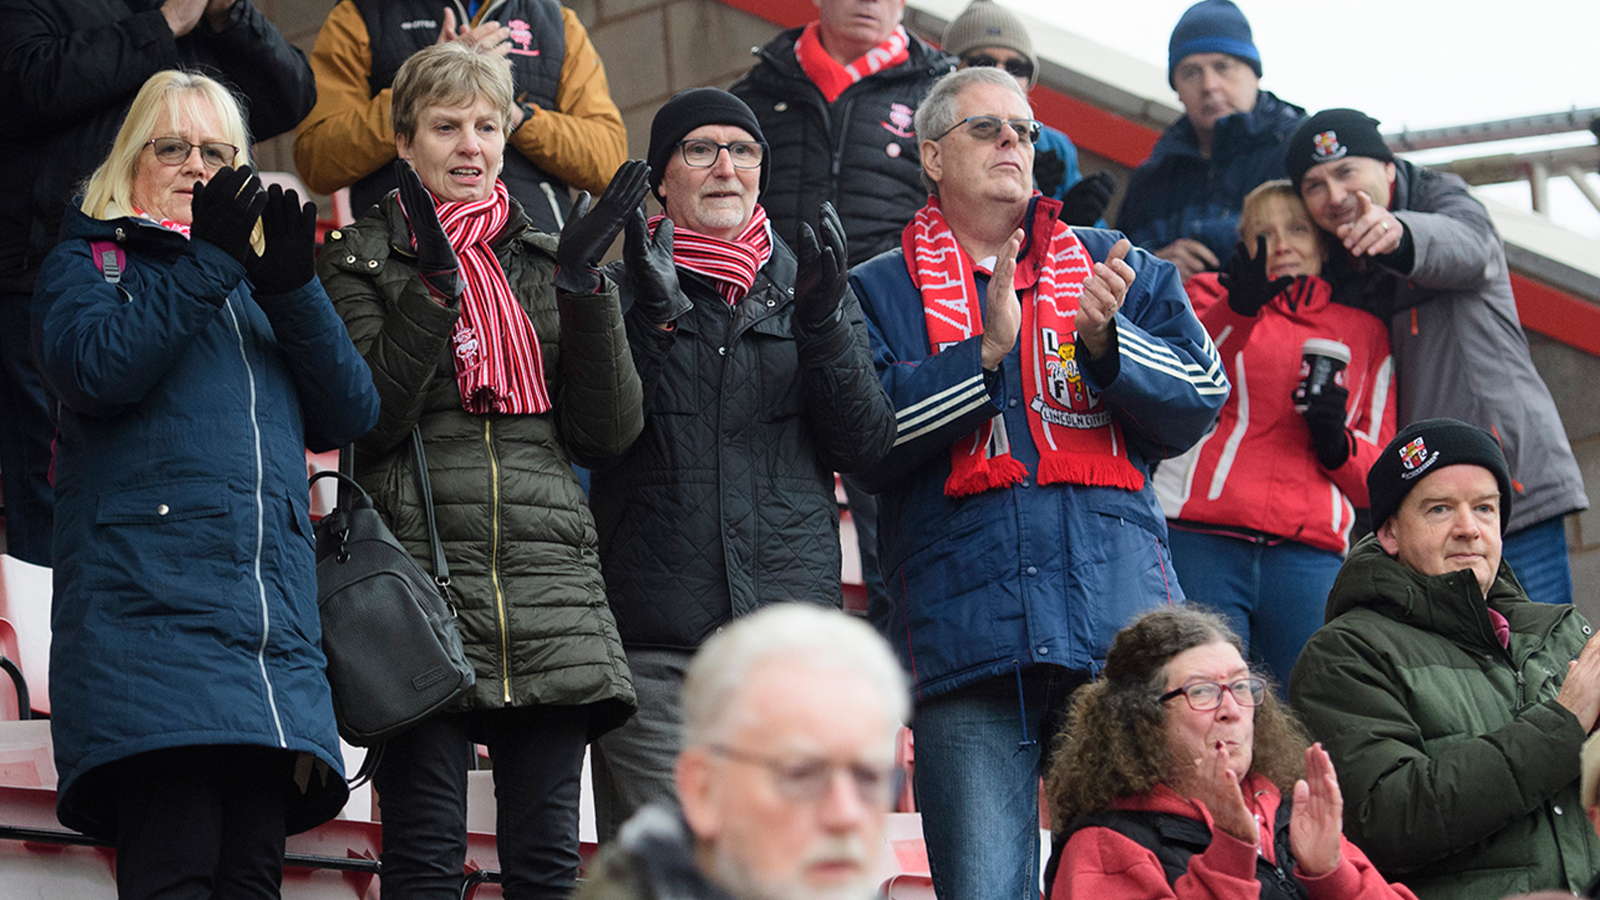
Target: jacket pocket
(778, 360)
(167, 549)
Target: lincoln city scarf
(498, 365)
(832, 78)
(1079, 441)
(731, 265)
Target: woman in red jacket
(1260, 510)
(1180, 775)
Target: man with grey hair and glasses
(1036, 371)
(787, 772)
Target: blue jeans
(1538, 557)
(1274, 596)
(980, 751)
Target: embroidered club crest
(1411, 454)
(1062, 377)
(900, 116)
(522, 36)
(1326, 148)
(1416, 459)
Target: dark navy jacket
(981, 584)
(185, 584)
(1177, 193)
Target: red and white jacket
(1101, 864)
(1257, 469)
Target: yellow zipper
(494, 565)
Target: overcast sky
(1409, 63)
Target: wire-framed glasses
(172, 151)
(988, 128)
(807, 780)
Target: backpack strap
(1171, 838)
(109, 259)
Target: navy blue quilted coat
(185, 579)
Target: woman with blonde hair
(195, 357)
(503, 349)
(1260, 511)
(1180, 774)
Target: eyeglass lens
(744, 154)
(1016, 68)
(1208, 695)
(987, 128)
(214, 154)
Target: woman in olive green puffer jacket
(516, 529)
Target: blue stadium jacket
(982, 585)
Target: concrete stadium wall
(655, 48)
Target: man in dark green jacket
(1453, 707)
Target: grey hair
(938, 112)
(810, 635)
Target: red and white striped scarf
(168, 224)
(731, 265)
(832, 78)
(1078, 439)
(498, 365)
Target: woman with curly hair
(1180, 774)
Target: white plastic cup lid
(1325, 347)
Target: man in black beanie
(1453, 708)
(1414, 248)
(758, 387)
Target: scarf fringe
(1082, 468)
(998, 472)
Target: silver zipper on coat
(261, 586)
(555, 205)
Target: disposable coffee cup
(1322, 363)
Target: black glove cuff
(577, 280)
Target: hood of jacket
(1451, 605)
(1267, 124)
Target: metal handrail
(24, 701)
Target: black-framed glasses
(172, 151)
(1205, 696)
(989, 128)
(1016, 67)
(703, 154)
(807, 780)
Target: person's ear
(1387, 539)
(402, 147)
(697, 793)
(932, 164)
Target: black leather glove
(290, 231)
(1086, 201)
(225, 211)
(1049, 170)
(651, 270)
(589, 232)
(1246, 280)
(824, 271)
(1324, 415)
(436, 259)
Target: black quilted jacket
(725, 502)
(858, 152)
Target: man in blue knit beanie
(1183, 202)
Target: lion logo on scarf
(1062, 376)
